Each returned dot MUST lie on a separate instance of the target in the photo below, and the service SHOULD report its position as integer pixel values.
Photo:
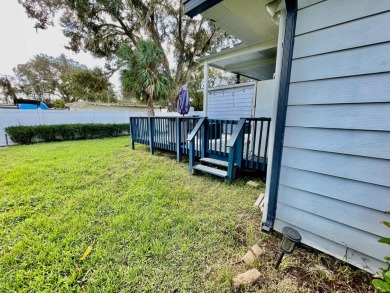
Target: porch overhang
(246, 20)
(195, 7)
(254, 61)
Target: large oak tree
(45, 77)
(102, 26)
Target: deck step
(210, 170)
(215, 162)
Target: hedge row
(29, 134)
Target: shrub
(383, 285)
(27, 134)
(21, 134)
(67, 131)
(46, 132)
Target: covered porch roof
(254, 61)
(247, 20)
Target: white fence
(13, 117)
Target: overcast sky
(20, 42)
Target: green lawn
(152, 226)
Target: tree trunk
(173, 97)
(150, 108)
(149, 96)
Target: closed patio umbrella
(183, 105)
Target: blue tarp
(41, 106)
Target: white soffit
(247, 20)
(256, 61)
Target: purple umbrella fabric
(183, 105)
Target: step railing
(185, 127)
(197, 142)
(248, 146)
(209, 139)
(235, 145)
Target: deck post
(131, 133)
(240, 148)
(178, 139)
(230, 169)
(205, 138)
(205, 87)
(266, 147)
(191, 155)
(151, 134)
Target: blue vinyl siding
(231, 102)
(335, 175)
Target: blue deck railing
(166, 133)
(243, 142)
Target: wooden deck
(211, 139)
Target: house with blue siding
(329, 156)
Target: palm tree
(143, 74)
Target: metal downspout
(280, 122)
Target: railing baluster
(188, 132)
(259, 146)
(253, 142)
(215, 137)
(196, 144)
(172, 135)
(198, 136)
(166, 121)
(178, 138)
(220, 137)
(141, 131)
(168, 133)
(225, 136)
(231, 130)
(145, 122)
(247, 145)
(139, 127)
(161, 133)
(144, 132)
(210, 131)
(155, 132)
(184, 127)
(173, 148)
